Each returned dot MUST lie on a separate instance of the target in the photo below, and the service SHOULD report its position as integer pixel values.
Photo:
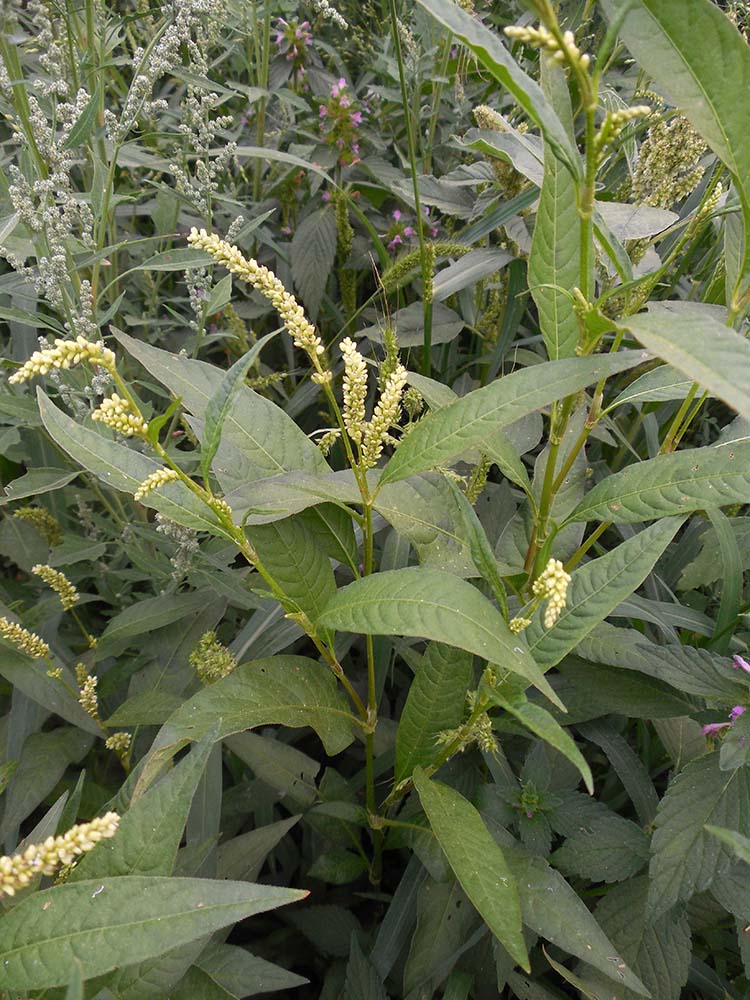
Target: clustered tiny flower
(266, 282)
(119, 742)
(87, 698)
(118, 414)
(45, 523)
(17, 871)
(25, 641)
(714, 728)
(157, 479)
(211, 660)
(542, 38)
(613, 124)
(517, 625)
(324, 8)
(293, 39)
(386, 415)
(339, 119)
(64, 354)
(59, 582)
(552, 584)
(355, 389)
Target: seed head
(27, 642)
(159, 478)
(355, 389)
(59, 582)
(552, 584)
(64, 354)
(211, 660)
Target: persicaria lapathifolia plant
(375, 440)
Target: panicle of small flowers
(668, 167)
(399, 231)
(478, 480)
(339, 119)
(355, 390)
(266, 282)
(25, 641)
(119, 742)
(159, 478)
(211, 660)
(293, 39)
(45, 523)
(64, 354)
(328, 440)
(117, 413)
(59, 582)
(386, 415)
(17, 871)
(413, 402)
(542, 38)
(184, 538)
(87, 697)
(324, 8)
(552, 585)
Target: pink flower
(410, 231)
(342, 83)
(356, 119)
(397, 214)
(322, 111)
(736, 712)
(739, 664)
(344, 102)
(326, 196)
(396, 241)
(715, 727)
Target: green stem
(426, 264)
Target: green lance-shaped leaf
(471, 420)
(221, 403)
(739, 845)
(695, 479)
(294, 558)
(285, 690)
(596, 590)
(694, 52)
(432, 604)
(477, 861)
(493, 55)
(149, 833)
(555, 258)
(258, 438)
(685, 857)
(105, 923)
(124, 469)
(34, 482)
(695, 341)
(539, 721)
(435, 703)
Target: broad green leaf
(432, 605)
(123, 468)
(435, 702)
(685, 858)
(286, 690)
(30, 676)
(243, 857)
(493, 55)
(730, 561)
(554, 910)
(150, 832)
(739, 844)
(104, 923)
(221, 403)
(596, 589)
(313, 251)
(226, 972)
(670, 484)
(658, 951)
(539, 721)
(705, 568)
(258, 439)
(180, 259)
(150, 614)
(151, 979)
(362, 979)
(555, 258)
(655, 386)
(693, 671)
(735, 747)
(445, 920)
(591, 690)
(467, 271)
(628, 767)
(695, 53)
(469, 421)
(36, 481)
(692, 339)
(288, 550)
(477, 861)
(290, 772)
(44, 759)
(608, 849)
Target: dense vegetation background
(375, 441)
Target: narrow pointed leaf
(431, 604)
(477, 861)
(472, 419)
(695, 479)
(118, 921)
(694, 341)
(596, 589)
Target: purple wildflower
(738, 663)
